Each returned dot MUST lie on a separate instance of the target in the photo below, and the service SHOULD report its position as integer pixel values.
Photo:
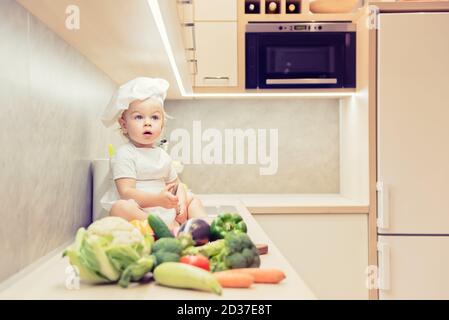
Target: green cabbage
(78, 261)
(111, 250)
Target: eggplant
(198, 228)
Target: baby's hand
(167, 199)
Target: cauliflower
(111, 250)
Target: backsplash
(51, 98)
(299, 140)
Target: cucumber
(181, 275)
(159, 227)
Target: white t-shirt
(150, 167)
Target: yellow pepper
(142, 226)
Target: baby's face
(143, 122)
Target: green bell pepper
(226, 222)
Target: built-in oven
(300, 55)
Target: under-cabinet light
(156, 11)
(273, 94)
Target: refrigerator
(413, 155)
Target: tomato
(197, 261)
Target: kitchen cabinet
(185, 15)
(215, 10)
(185, 11)
(188, 37)
(413, 133)
(330, 251)
(186, 19)
(214, 46)
(216, 53)
(413, 155)
(417, 267)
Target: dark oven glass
(302, 59)
(282, 61)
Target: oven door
(305, 60)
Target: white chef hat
(140, 88)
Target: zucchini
(181, 275)
(159, 227)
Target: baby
(145, 180)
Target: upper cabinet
(215, 10)
(216, 53)
(215, 37)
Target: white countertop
(48, 280)
(291, 203)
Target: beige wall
(308, 153)
(51, 99)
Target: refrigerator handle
(384, 266)
(383, 205)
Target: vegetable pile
(113, 250)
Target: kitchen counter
(291, 203)
(48, 280)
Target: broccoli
(238, 251)
(168, 244)
(167, 250)
(186, 240)
(165, 256)
(136, 271)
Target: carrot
(230, 279)
(263, 275)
